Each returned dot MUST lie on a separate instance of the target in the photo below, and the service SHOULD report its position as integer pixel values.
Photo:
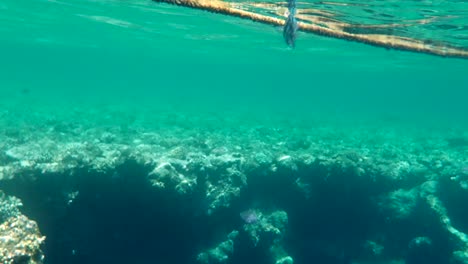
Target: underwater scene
(233, 132)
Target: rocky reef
(20, 239)
(192, 189)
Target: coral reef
(221, 253)
(9, 206)
(226, 191)
(20, 241)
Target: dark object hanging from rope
(290, 26)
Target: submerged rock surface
(173, 192)
(20, 239)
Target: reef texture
(20, 241)
(349, 194)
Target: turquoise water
(142, 132)
(141, 52)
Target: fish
(290, 26)
(249, 216)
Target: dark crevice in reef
(456, 199)
(116, 217)
(119, 217)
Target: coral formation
(20, 241)
(221, 253)
(236, 191)
(9, 206)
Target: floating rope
(379, 40)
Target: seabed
(212, 189)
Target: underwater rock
(224, 180)
(284, 260)
(263, 231)
(420, 250)
(9, 206)
(268, 227)
(373, 249)
(220, 176)
(168, 174)
(268, 230)
(456, 234)
(20, 241)
(385, 186)
(400, 204)
(221, 253)
(460, 257)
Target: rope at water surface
(379, 40)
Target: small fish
(291, 27)
(249, 216)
